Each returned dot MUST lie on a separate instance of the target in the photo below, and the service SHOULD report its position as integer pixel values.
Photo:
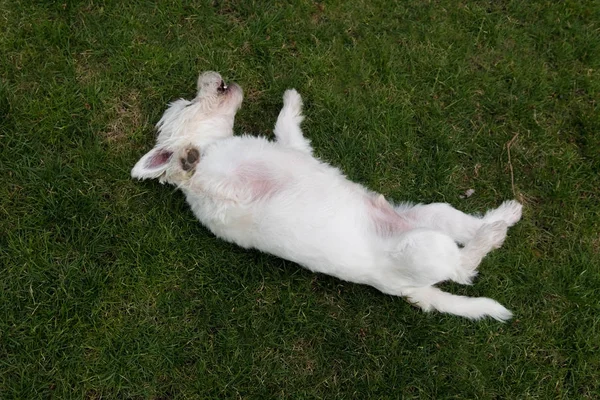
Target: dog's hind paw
(510, 212)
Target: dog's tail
(430, 298)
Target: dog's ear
(153, 164)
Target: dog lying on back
(276, 197)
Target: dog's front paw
(292, 103)
(189, 159)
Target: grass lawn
(109, 288)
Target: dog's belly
(319, 225)
(292, 206)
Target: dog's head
(191, 124)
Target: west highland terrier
(275, 196)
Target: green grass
(109, 288)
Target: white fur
(276, 197)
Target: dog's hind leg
(287, 128)
(443, 217)
(460, 226)
(422, 257)
(487, 238)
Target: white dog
(276, 197)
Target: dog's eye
(222, 87)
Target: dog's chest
(231, 188)
(226, 219)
